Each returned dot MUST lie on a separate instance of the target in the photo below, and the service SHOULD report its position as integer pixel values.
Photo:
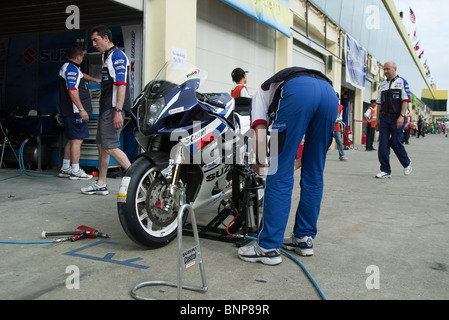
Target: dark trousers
(369, 136)
(391, 137)
(420, 132)
(406, 136)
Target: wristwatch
(403, 115)
(118, 110)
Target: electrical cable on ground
(288, 255)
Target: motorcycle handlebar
(204, 98)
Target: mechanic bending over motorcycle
(295, 101)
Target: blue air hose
(29, 242)
(303, 268)
(31, 172)
(23, 170)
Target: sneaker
(383, 175)
(80, 175)
(302, 246)
(408, 169)
(65, 173)
(343, 158)
(96, 189)
(255, 253)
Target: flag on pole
(417, 46)
(412, 16)
(414, 37)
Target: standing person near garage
(338, 134)
(394, 96)
(408, 127)
(370, 116)
(75, 107)
(293, 103)
(114, 101)
(240, 90)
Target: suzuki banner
(274, 13)
(355, 63)
(29, 66)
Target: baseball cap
(237, 74)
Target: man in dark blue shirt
(115, 99)
(393, 99)
(75, 107)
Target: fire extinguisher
(347, 139)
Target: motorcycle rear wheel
(134, 217)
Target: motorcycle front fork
(178, 160)
(173, 193)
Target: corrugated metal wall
(19, 17)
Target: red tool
(80, 233)
(91, 232)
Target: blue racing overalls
(298, 102)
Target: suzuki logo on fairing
(204, 141)
(217, 174)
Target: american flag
(412, 16)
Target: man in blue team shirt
(75, 107)
(115, 99)
(393, 99)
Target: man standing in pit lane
(393, 99)
(75, 107)
(115, 99)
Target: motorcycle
(193, 151)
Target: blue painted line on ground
(107, 258)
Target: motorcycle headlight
(152, 111)
(154, 108)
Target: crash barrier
(186, 260)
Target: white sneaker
(65, 173)
(96, 189)
(255, 253)
(408, 169)
(302, 246)
(80, 175)
(383, 175)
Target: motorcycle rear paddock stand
(246, 217)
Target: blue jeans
(390, 136)
(308, 106)
(339, 140)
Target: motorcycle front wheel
(140, 207)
